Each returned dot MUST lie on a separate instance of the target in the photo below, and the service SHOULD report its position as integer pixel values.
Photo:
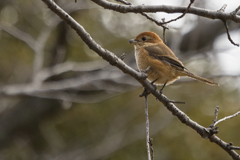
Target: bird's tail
(201, 79)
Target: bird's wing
(165, 56)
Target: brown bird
(165, 67)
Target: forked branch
(115, 61)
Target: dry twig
(222, 9)
(228, 34)
(147, 129)
(226, 118)
(167, 9)
(216, 115)
(188, 7)
(146, 15)
(234, 13)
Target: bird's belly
(160, 72)
(162, 76)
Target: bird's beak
(132, 41)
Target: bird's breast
(158, 70)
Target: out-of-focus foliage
(110, 124)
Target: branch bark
(168, 9)
(140, 77)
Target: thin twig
(230, 146)
(164, 32)
(222, 9)
(211, 14)
(191, 2)
(216, 115)
(19, 34)
(228, 117)
(235, 148)
(147, 128)
(162, 23)
(151, 148)
(234, 13)
(123, 56)
(124, 2)
(228, 34)
(145, 15)
(154, 20)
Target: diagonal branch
(25, 37)
(234, 13)
(140, 77)
(226, 118)
(222, 9)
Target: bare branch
(151, 148)
(23, 36)
(164, 32)
(222, 9)
(225, 22)
(235, 148)
(146, 15)
(124, 2)
(67, 67)
(154, 20)
(35, 45)
(226, 118)
(147, 129)
(115, 61)
(216, 115)
(168, 9)
(123, 56)
(228, 34)
(234, 13)
(191, 2)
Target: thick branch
(168, 9)
(140, 77)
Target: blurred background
(59, 100)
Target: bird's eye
(144, 38)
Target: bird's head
(145, 39)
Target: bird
(159, 62)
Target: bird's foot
(161, 90)
(146, 92)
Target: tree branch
(147, 16)
(228, 34)
(140, 77)
(234, 13)
(168, 9)
(147, 129)
(215, 119)
(220, 14)
(191, 2)
(226, 118)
